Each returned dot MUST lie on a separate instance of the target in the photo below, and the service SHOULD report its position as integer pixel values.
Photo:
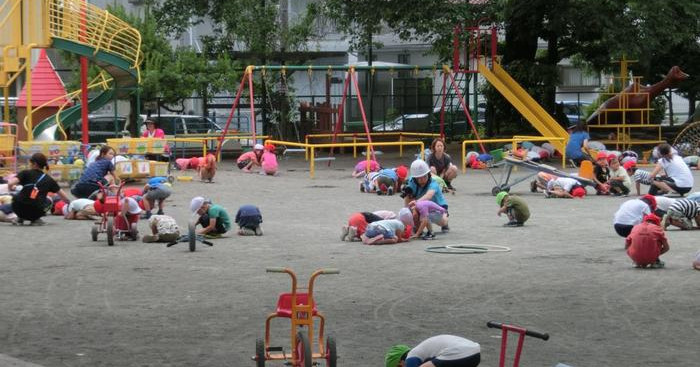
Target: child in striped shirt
(682, 213)
(639, 176)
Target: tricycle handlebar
(330, 271)
(275, 270)
(535, 334)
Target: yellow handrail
(361, 135)
(368, 146)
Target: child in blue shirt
(249, 219)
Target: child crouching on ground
(696, 262)
(79, 209)
(249, 219)
(213, 218)
(157, 189)
(269, 161)
(514, 207)
(357, 223)
(426, 212)
(639, 176)
(620, 182)
(601, 174)
(389, 231)
(646, 242)
(207, 168)
(163, 229)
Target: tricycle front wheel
(331, 353)
(303, 348)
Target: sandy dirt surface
(68, 301)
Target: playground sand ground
(68, 301)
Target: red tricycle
(110, 207)
(301, 309)
(522, 332)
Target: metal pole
(83, 82)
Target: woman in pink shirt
(269, 161)
(152, 131)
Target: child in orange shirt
(207, 168)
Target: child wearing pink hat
(269, 161)
(646, 242)
(362, 167)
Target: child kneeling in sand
(249, 219)
(163, 228)
(514, 207)
(427, 212)
(389, 231)
(357, 223)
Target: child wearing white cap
(248, 160)
(389, 231)
(214, 219)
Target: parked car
(455, 123)
(417, 122)
(100, 127)
(183, 126)
(574, 110)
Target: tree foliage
(251, 26)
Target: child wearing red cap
(269, 161)
(631, 213)
(639, 176)
(564, 187)
(620, 182)
(646, 242)
(389, 231)
(601, 174)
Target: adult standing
(678, 177)
(578, 140)
(31, 203)
(441, 163)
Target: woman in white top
(678, 177)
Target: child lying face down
(389, 231)
(357, 223)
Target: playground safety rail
(514, 141)
(368, 146)
(88, 24)
(356, 136)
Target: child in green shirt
(514, 207)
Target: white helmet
(419, 168)
(196, 203)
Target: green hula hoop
(466, 249)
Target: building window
(574, 77)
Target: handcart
(301, 309)
(505, 181)
(8, 148)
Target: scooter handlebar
(534, 334)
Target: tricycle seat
(284, 304)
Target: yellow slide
(525, 104)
